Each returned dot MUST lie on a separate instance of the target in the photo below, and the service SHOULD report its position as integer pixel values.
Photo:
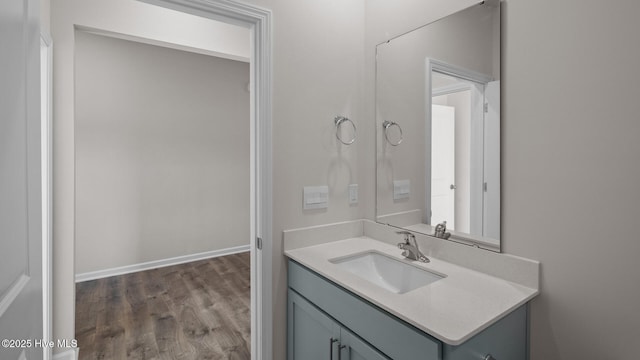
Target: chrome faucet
(441, 231)
(410, 247)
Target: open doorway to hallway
(162, 201)
(133, 17)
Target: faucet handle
(407, 235)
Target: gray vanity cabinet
(324, 318)
(313, 335)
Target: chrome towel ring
(339, 121)
(386, 125)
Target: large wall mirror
(438, 128)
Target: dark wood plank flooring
(199, 310)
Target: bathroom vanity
(352, 291)
(359, 298)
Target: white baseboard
(71, 354)
(99, 274)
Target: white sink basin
(388, 273)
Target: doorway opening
(162, 181)
(258, 21)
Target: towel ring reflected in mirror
(388, 124)
(339, 121)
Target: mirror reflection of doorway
(456, 153)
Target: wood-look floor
(199, 310)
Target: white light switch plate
(315, 197)
(353, 194)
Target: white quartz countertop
(452, 309)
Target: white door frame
(46, 72)
(258, 20)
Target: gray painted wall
(571, 169)
(162, 153)
(570, 153)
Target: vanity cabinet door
(356, 349)
(312, 335)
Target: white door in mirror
(443, 165)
